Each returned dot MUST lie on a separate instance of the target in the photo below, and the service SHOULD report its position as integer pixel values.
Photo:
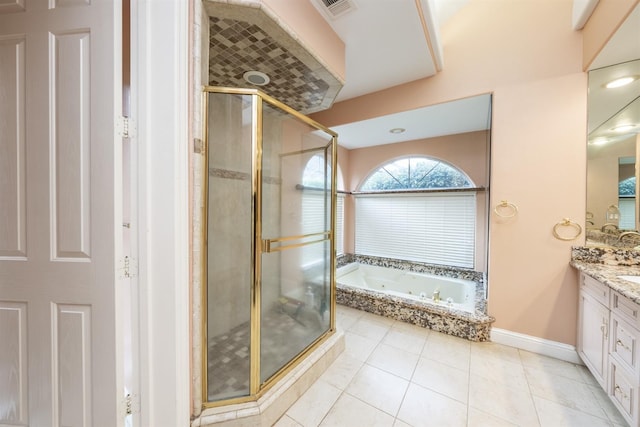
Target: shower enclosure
(269, 291)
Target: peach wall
(538, 147)
(464, 151)
(489, 43)
(316, 34)
(605, 19)
(539, 163)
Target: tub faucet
(609, 225)
(436, 295)
(628, 233)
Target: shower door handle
(301, 240)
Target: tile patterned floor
(229, 353)
(398, 375)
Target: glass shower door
(296, 238)
(229, 238)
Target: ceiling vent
(336, 8)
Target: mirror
(613, 217)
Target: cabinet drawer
(624, 343)
(625, 308)
(623, 392)
(598, 290)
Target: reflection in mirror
(613, 132)
(627, 193)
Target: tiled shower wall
(229, 220)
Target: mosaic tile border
(246, 35)
(241, 176)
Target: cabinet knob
(622, 393)
(621, 344)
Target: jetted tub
(455, 293)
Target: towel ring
(566, 222)
(511, 209)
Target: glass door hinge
(128, 404)
(198, 146)
(126, 127)
(128, 268)
(131, 404)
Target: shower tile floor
(229, 353)
(398, 375)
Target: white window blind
(432, 228)
(340, 224)
(627, 208)
(315, 219)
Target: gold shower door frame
(260, 246)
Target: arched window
(314, 173)
(415, 173)
(396, 218)
(316, 199)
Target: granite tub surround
(472, 326)
(417, 267)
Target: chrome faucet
(608, 224)
(628, 233)
(436, 295)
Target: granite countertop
(607, 274)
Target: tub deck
(471, 326)
(474, 326)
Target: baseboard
(533, 344)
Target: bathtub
(454, 293)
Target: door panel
(8, 6)
(72, 355)
(12, 147)
(70, 144)
(60, 85)
(13, 369)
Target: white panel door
(60, 89)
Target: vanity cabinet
(593, 330)
(609, 342)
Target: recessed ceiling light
(256, 78)
(397, 130)
(599, 141)
(622, 81)
(623, 128)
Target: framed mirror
(613, 214)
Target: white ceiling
(386, 46)
(465, 115)
(385, 41)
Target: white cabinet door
(593, 332)
(60, 85)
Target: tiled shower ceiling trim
(244, 37)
